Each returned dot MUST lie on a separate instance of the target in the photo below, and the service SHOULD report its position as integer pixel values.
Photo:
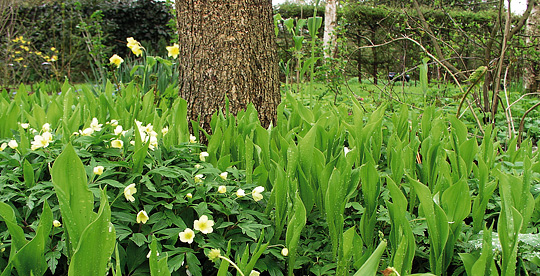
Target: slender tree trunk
(532, 65)
(227, 50)
(330, 22)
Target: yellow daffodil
(189, 195)
(192, 139)
(240, 193)
(187, 236)
(116, 60)
(222, 189)
(129, 191)
(53, 49)
(142, 216)
(13, 144)
(223, 175)
(203, 155)
(165, 130)
(136, 50)
(56, 223)
(98, 170)
(46, 127)
(174, 50)
(285, 251)
(256, 193)
(254, 273)
(117, 144)
(53, 58)
(3, 146)
(203, 224)
(214, 254)
(132, 42)
(199, 178)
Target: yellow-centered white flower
(203, 155)
(222, 189)
(223, 175)
(46, 127)
(129, 191)
(56, 223)
(165, 130)
(3, 146)
(95, 125)
(285, 251)
(240, 193)
(203, 224)
(257, 193)
(117, 144)
(98, 170)
(25, 125)
(187, 235)
(192, 139)
(189, 195)
(13, 144)
(142, 216)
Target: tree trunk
(330, 22)
(227, 50)
(532, 65)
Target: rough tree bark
(330, 22)
(532, 65)
(227, 50)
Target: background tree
(227, 50)
(532, 67)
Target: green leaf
(75, 199)
(157, 268)
(369, 268)
(96, 244)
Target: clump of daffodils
(135, 46)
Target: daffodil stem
(233, 264)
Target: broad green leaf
(96, 244)
(157, 267)
(369, 268)
(75, 199)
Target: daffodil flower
(116, 60)
(174, 50)
(256, 193)
(13, 144)
(98, 170)
(203, 224)
(56, 223)
(187, 235)
(223, 175)
(240, 193)
(142, 216)
(203, 155)
(129, 191)
(222, 189)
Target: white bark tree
(532, 67)
(330, 23)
